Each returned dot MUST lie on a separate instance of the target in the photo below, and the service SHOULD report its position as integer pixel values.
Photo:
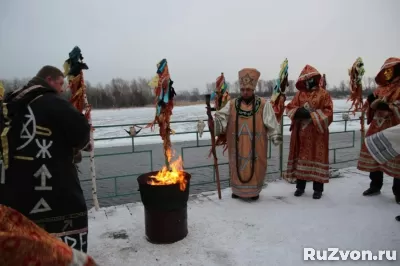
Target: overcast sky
(200, 39)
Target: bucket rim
(142, 178)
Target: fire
(169, 177)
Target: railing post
(281, 151)
(183, 158)
(214, 173)
(151, 160)
(115, 187)
(334, 156)
(269, 148)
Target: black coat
(45, 130)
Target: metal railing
(149, 152)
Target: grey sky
(200, 39)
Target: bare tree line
(266, 87)
(120, 93)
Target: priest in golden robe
(247, 122)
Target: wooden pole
(211, 128)
(91, 156)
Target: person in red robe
(383, 111)
(311, 113)
(384, 146)
(22, 242)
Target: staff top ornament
(74, 64)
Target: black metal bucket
(165, 210)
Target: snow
(271, 231)
(143, 116)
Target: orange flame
(173, 176)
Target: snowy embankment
(271, 231)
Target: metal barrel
(165, 210)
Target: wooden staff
(214, 153)
(362, 123)
(322, 82)
(164, 102)
(278, 102)
(1, 91)
(278, 97)
(91, 155)
(167, 145)
(356, 74)
(73, 68)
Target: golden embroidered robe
(244, 182)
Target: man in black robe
(41, 133)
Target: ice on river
(143, 116)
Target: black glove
(371, 98)
(383, 106)
(302, 113)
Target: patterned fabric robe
(265, 125)
(384, 146)
(381, 120)
(309, 141)
(22, 242)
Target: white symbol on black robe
(41, 206)
(44, 148)
(28, 131)
(44, 174)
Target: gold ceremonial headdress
(248, 78)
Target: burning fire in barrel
(165, 195)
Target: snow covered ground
(181, 113)
(272, 231)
